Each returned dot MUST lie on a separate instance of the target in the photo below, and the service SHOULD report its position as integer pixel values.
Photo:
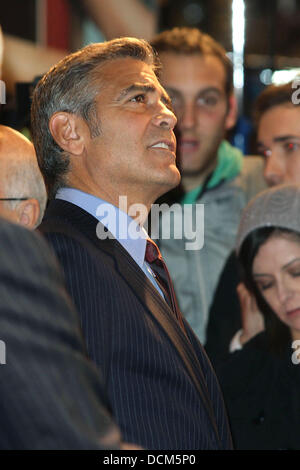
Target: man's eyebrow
(135, 87)
(284, 138)
(281, 138)
(210, 89)
(167, 100)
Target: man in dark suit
(103, 131)
(52, 397)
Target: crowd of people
(113, 342)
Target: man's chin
(195, 169)
(190, 166)
(176, 176)
(169, 182)
(189, 172)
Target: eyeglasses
(14, 198)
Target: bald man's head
(20, 180)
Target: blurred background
(261, 37)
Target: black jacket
(262, 395)
(225, 313)
(52, 397)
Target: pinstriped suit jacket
(163, 392)
(51, 397)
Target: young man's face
(278, 140)
(196, 85)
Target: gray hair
(23, 179)
(20, 174)
(72, 86)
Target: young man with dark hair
(197, 74)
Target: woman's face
(276, 272)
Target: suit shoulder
(19, 237)
(26, 249)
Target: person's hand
(252, 319)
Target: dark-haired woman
(261, 382)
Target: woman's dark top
(262, 395)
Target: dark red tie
(159, 267)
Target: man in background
(22, 188)
(198, 77)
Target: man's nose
(164, 117)
(186, 119)
(274, 171)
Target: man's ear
(67, 130)
(232, 112)
(28, 213)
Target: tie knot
(152, 252)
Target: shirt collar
(128, 233)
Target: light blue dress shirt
(129, 234)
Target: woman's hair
(278, 334)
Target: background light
(280, 77)
(238, 44)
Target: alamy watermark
(296, 93)
(2, 353)
(181, 222)
(296, 353)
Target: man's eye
(175, 100)
(208, 101)
(138, 98)
(295, 273)
(291, 146)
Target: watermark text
(179, 222)
(296, 93)
(2, 353)
(2, 92)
